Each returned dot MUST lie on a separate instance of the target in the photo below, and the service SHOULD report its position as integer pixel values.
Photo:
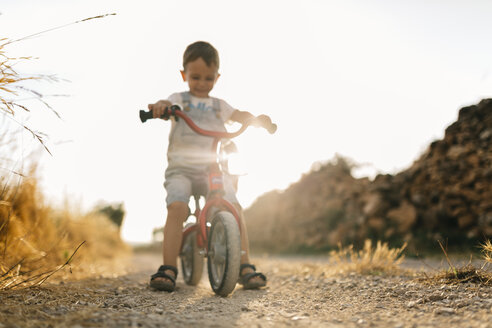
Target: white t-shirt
(187, 149)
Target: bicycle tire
(224, 253)
(191, 260)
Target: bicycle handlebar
(175, 111)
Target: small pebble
(445, 310)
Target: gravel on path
(301, 292)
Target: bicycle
(216, 232)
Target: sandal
(245, 279)
(160, 284)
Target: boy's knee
(177, 210)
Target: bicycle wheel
(191, 260)
(224, 253)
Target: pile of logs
(445, 194)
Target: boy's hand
(159, 108)
(263, 121)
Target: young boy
(189, 155)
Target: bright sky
(375, 81)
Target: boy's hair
(201, 49)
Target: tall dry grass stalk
(10, 80)
(12, 84)
(370, 260)
(12, 88)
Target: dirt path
(300, 293)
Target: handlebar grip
(144, 116)
(170, 111)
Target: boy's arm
(244, 116)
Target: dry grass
(12, 89)
(370, 260)
(27, 235)
(10, 80)
(465, 274)
(12, 84)
(454, 276)
(37, 241)
(459, 275)
(487, 251)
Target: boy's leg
(245, 248)
(244, 236)
(258, 279)
(177, 212)
(178, 188)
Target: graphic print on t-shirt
(201, 106)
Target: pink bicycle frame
(215, 185)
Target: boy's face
(200, 77)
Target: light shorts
(180, 184)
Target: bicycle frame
(215, 181)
